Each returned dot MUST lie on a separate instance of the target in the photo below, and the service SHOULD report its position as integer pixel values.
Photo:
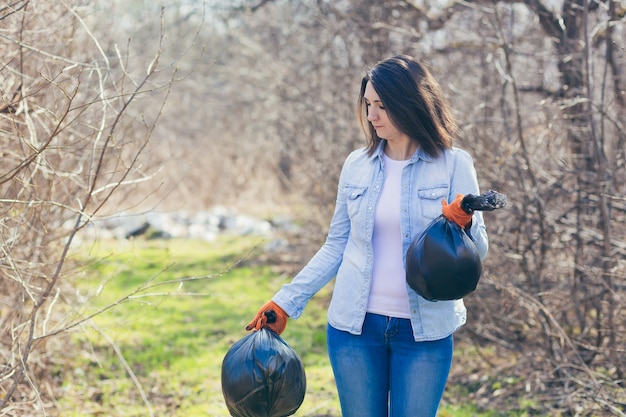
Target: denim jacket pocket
(430, 199)
(354, 197)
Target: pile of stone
(202, 225)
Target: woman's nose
(372, 115)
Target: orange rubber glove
(455, 213)
(271, 316)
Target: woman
(389, 348)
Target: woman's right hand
(271, 316)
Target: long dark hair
(414, 103)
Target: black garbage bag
(262, 376)
(442, 263)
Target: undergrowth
(159, 351)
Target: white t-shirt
(388, 295)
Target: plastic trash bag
(262, 376)
(442, 263)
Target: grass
(173, 337)
(160, 351)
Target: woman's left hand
(454, 213)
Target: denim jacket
(347, 253)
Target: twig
(127, 368)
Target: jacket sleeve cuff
(286, 304)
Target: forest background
(112, 107)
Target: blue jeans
(384, 372)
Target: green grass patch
(161, 348)
(184, 304)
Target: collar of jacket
(419, 154)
